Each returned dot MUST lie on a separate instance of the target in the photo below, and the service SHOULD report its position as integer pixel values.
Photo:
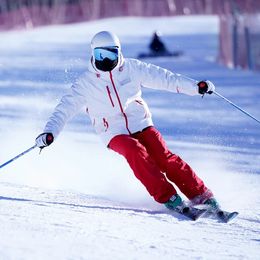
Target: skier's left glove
(205, 87)
(44, 139)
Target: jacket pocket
(105, 123)
(144, 107)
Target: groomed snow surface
(77, 200)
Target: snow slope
(77, 200)
(52, 224)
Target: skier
(157, 46)
(110, 90)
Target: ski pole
(19, 155)
(234, 105)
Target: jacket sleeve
(158, 78)
(68, 106)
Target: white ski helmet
(105, 39)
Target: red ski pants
(151, 162)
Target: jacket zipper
(119, 102)
(110, 97)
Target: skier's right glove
(206, 87)
(44, 139)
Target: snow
(77, 200)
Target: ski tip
(232, 215)
(227, 217)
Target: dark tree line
(177, 6)
(9, 5)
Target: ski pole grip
(49, 138)
(203, 87)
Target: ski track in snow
(78, 200)
(52, 224)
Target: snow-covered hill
(77, 200)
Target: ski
(221, 215)
(225, 216)
(216, 212)
(192, 213)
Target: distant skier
(157, 46)
(110, 90)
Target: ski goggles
(108, 52)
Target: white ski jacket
(113, 100)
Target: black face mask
(106, 64)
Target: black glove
(205, 87)
(44, 140)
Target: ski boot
(176, 204)
(207, 201)
(212, 204)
